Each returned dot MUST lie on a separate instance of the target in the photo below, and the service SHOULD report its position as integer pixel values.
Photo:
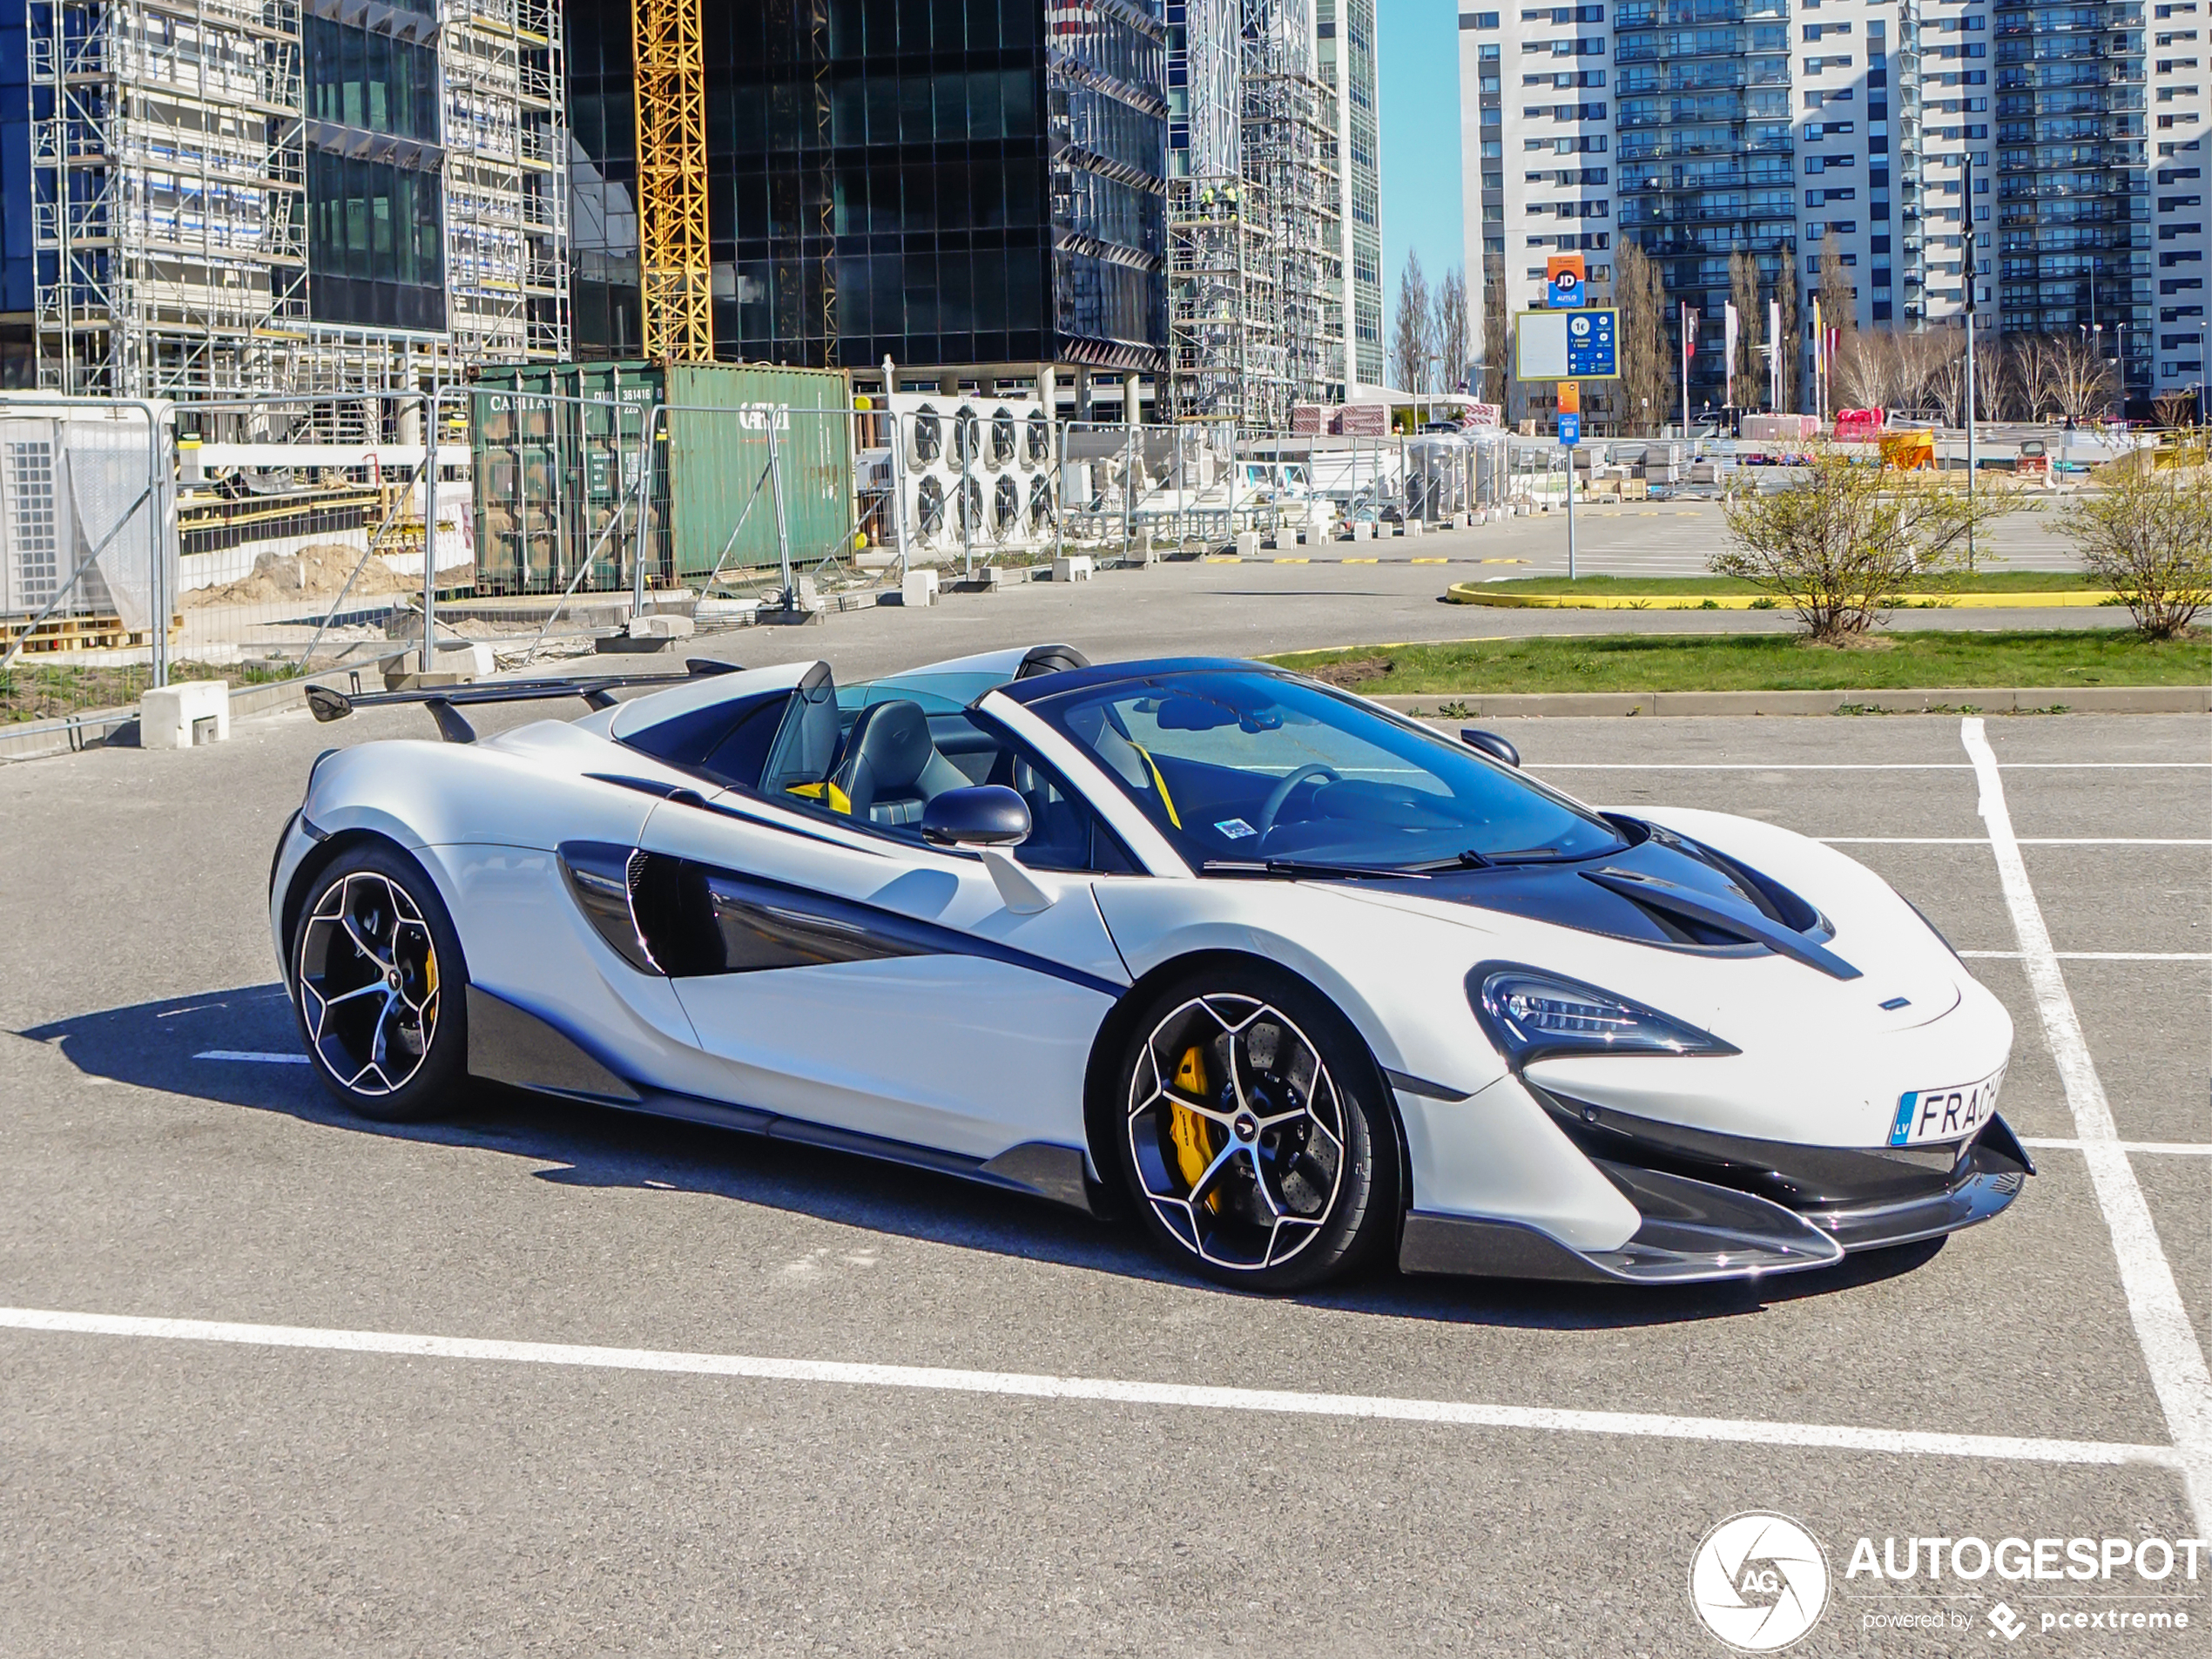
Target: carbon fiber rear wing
(328, 703)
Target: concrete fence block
(1075, 567)
(918, 588)
(1248, 544)
(184, 715)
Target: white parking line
(1035, 1385)
(2096, 955)
(2170, 1348)
(2162, 1149)
(1861, 765)
(2024, 840)
(252, 1057)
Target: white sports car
(1299, 981)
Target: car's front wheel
(378, 986)
(1254, 1133)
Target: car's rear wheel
(1255, 1137)
(378, 986)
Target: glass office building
(944, 182)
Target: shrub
(2147, 533)
(1838, 543)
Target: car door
(859, 979)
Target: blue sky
(1417, 53)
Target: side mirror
(984, 815)
(1491, 744)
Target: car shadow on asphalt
(188, 1046)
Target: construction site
(337, 327)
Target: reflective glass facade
(2074, 245)
(376, 212)
(1706, 155)
(938, 181)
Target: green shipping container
(577, 431)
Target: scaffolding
(506, 197)
(168, 161)
(1255, 270)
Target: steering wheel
(1281, 792)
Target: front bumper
(1723, 1207)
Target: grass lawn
(1763, 662)
(35, 690)
(1657, 586)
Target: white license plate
(1926, 1117)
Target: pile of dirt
(318, 571)
(1351, 671)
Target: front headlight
(1531, 1014)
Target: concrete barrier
(1075, 567)
(184, 715)
(918, 588)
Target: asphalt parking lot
(1447, 1466)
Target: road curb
(1980, 699)
(97, 727)
(1477, 593)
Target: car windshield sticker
(1235, 828)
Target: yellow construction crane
(672, 180)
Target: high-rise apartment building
(1345, 58)
(1997, 154)
(2179, 61)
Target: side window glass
(1064, 833)
(806, 742)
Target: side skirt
(511, 1045)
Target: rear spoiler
(328, 703)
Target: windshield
(1241, 768)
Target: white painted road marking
(2187, 1148)
(1033, 1386)
(252, 1057)
(1859, 765)
(2023, 841)
(2096, 955)
(2169, 1344)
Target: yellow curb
(1475, 593)
(1293, 561)
(1224, 558)
(1358, 561)
(1428, 561)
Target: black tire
(1252, 1132)
(381, 1003)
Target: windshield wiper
(1296, 867)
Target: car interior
(878, 758)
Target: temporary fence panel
(975, 472)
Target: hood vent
(1708, 919)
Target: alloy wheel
(1237, 1131)
(368, 983)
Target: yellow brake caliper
(1192, 1133)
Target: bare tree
(1646, 366)
(2072, 378)
(1789, 343)
(1838, 543)
(2173, 408)
(1495, 365)
(1452, 334)
(1410, 329)
(1867, 370)
(2148, 531)
(1838, 310)
(1747, 386)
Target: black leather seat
(891, 769)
